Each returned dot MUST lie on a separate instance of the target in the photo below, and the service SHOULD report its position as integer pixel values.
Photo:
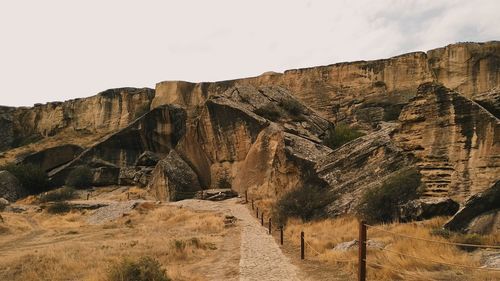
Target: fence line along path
(260, 256)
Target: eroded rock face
(10, 187)
(426, 208)
(173, 179)
(106, 112)
(363, 92)
(490, 101)
(232, 143)
(158, 132)
(479, 214)
(456, 142)
(54, 157)
(360, 165)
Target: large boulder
(360, 165)
(480, 213)
(53, 157)
(173, 179)
(10, 187)
(426, 208)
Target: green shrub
(474, 239)
(65, 193)
(445, 233)
(307, 202)
(144, 269)
(381, 204)
(291, 106)
(392, 112)
(31, 177)
(59, 208)
(269, 111)
(80, 177)
(340, 135)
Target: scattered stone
(216, 194)
(3, 203)
(346, 246)
(490, 259)
(426, 208)
(148, 158)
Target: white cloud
(59, 49)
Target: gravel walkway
(261, 258)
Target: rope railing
(437, 262)
(362, 261)
(433, 241)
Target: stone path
(261, 258)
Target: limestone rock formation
(361, 164)
(173, 179)
(455, 141)
(480, 213)
(426, 208)
(108, 111)
(490, 101)
(10, 187)
(52, 158)
(158, 131)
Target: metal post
(262, 219)
(281, 234)
(362, 252)
(270, 225)
(302, 246)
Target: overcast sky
(54, 50)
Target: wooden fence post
(262, 219)
(362, 251)
(257, 212)
(302, 246)
(252, 205)
(246, 196)
(281, 234)
(88, 195)
(128, 195)
(269, 225)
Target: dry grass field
(41, 246)
(325, 234)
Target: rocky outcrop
(10, 187)
(106, 112)
(480, 213)
(363, 92)
(173, 179)
(490, 101)
(456, 142)
(158, 131)
(53, 157)
(360, 165)
(235, 143)
(426, 208)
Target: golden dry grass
(324, 235)
(64, 247)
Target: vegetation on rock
(340, 135)
(306, 202)
(381, 204)
(59, 208)
(65, 193)
(269, 111)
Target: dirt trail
(260, 256)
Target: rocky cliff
(364, 92)
(106, 112)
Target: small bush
(269, 111)
(307, 202)
(292, 106)
(445, 233)
(144, 269)
(382, 204)
(65, 193)
(31, 177)
(80, 177)
(59, 208)
(392, 112)
(340, 135)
